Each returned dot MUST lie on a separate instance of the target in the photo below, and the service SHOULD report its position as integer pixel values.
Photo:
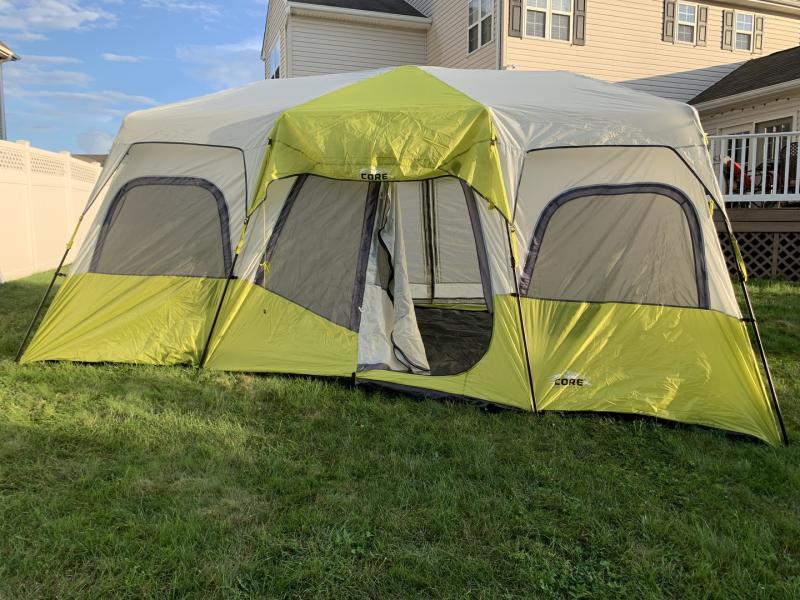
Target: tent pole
(521, 319)
(759, 343)
(36, 316)
(222, 299)
(95, 193)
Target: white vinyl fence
(41, 197)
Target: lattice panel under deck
(767, 255)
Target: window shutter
(579, 32)
(727, 30)
(515, 18)
(758, 37)
(702, 26)
(669, 21)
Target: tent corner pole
(228, 279)
(42, 302)
(763, 355)
(759, 343)
(523, 332)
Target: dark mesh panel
(165, 229)
(315, 258)
(634, 247)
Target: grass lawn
(149, 482)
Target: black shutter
(758, 38)
(669, 21)
(515, 18)
(579, 30)
(727, 30)
(702, 26)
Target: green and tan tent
(541, 241)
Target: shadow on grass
(18, 302)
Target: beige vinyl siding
(623, 44)
(747, 114)
(321, 46)
(276, 28)
(448, 44)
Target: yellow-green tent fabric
(536, 240)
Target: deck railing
(757, 169)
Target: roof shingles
(394, 7)
(780, 67)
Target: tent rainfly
(541, 241)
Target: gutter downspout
(500, 13)
(2, 106)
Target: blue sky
(87, 63)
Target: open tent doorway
(429, 295)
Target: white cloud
(109, 56)
(27, 36)
(224, 65)
(206, 10)
(53, 60)
(95, 141)
(32, 17)
(102, 97)
(35, 70)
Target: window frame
(548, 12)
(693, 25)
(478, 24)
(274, 70)
(117, 202)
(736, 31)
(667, 191)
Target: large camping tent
(536, 240)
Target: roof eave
(790, 7)
(362, 16)
(778, 88)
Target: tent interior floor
(454, 339)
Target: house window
(274, 60)
(549, 19)
(744, 31)
(480, 23)
(687, 23)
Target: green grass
(148, 482)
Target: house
(670, 48)
(6, 55)
(737, 61)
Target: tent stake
(28, 333)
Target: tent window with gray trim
(151, 228)
(635, 244)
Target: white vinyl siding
(624, 45)
(322, 46)
(447, 37)
(745, 116)
(274, 32)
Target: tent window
(314, 256)
(639, 244)
(165, 226)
